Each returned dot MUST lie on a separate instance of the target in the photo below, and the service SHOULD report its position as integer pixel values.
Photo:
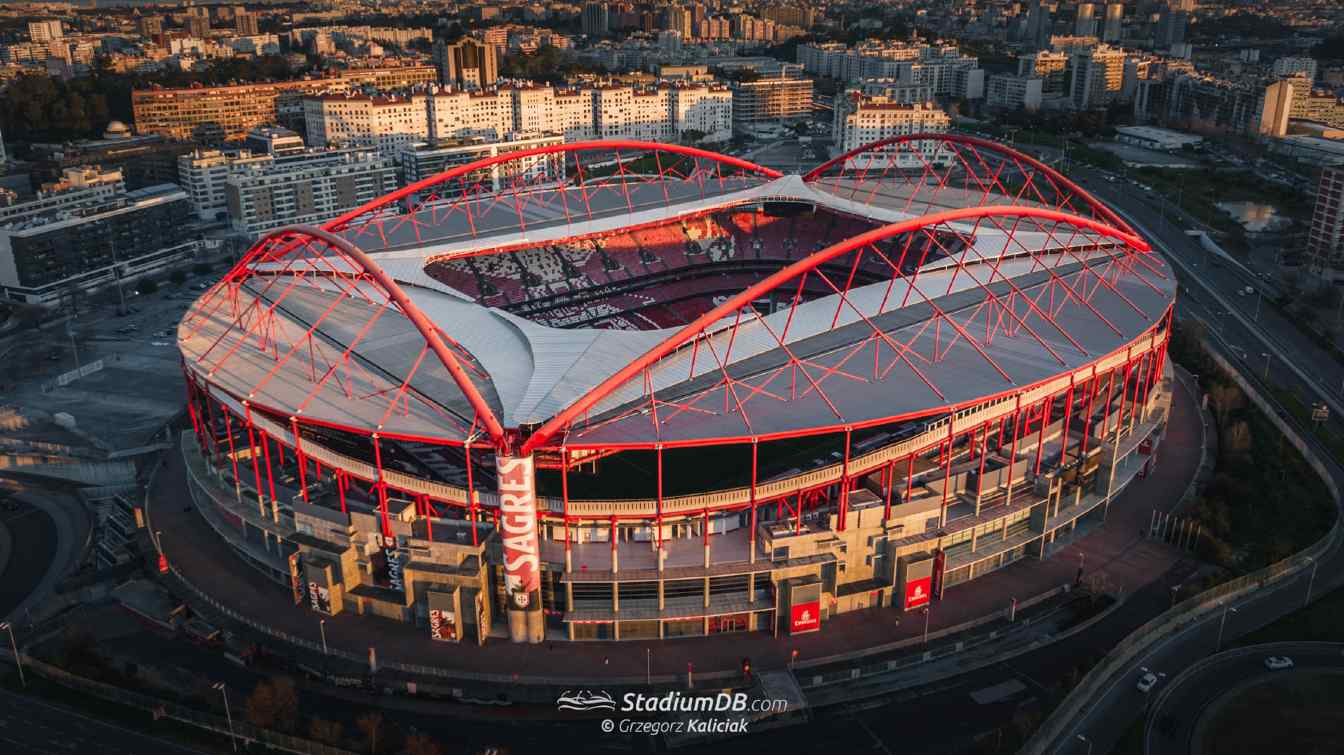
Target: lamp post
(648, 667)
(1265, 354)
(1082, 738)
(1012, 611)
(1310, 581)
(233, 739)
(1221, 623)
(17, 660)
(926, 625)
(322, 628)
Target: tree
(421, 744)
(329, 732)
(370, 725)
(273, 704)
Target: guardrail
(1195, 608)
(165, 709)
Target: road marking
(878, 744)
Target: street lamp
(1221, 623)
(322, 628)
(17, 660)
(233, 739)
(1265, 354)
(648, 667)
(1082, 738)
(1311, 580)
(926, 625)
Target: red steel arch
(599, 145)
(561, 421)
(282, 242)
(1055, 176)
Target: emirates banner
(805, 617)
(917, 592)
(518, 528)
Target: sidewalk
(1117, 549)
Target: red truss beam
(1065, 188)
(314, 243)
(733, 306)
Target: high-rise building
(1276, 107)
(1113, 29)
(198, 24)
(1011, 92)
(1171, 27)
(1291, 65)
(1098, 76)
(45, 30)
(1325, 241)
(466, 63)
(596, 19)
(1085, 23)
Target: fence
(1193, 609)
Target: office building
(1098, 77)
(1113, 29)
(595, 19)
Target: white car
(1147, 682)
(1278, 662)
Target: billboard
(387, 562)
(518, 530)
(443, 616)
(805, 617)
(319, 588)
(939, 564)
(917, 592)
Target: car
(1278, 662)
(1147, 682)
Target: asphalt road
(31, 726)
(1209, 292)
(33, 535)
(1176, 713)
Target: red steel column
(381, 486)
(298, 456)
(471, 494)
(890, 480)
(564, 502)
(1040, 438)
(844, 487)
(270, 477)
(752, 534)
(256, 464)
(228, 429)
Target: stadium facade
(646, 391)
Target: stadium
(619, 390)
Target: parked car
(1278, 662)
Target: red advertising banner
(518, 526)
(805, 617)
(917, 592)
(442, 625)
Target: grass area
(1288, 713)
(1264, 502)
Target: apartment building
(1050, 66)
(468, 63)
(869, 119)
(1325, 241)
(308, 190)
(628, 113)
(770, 100)
(1098, 76)
(1012, 92)
(86, 231)
(419, 161)
(941, 66)
(703, 108)
(487, 113)
(1295, 65)
(213, 115)
(384, 123)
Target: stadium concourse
(634, 391)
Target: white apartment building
(203, 174)
(306, 191)
(420, 161)
(486, 113)
(943, 67)
(1011, 92)
(45, 30)
(625, 113)
(703, 108)
(870, 119)
(353, 120)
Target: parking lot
(133, 382)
